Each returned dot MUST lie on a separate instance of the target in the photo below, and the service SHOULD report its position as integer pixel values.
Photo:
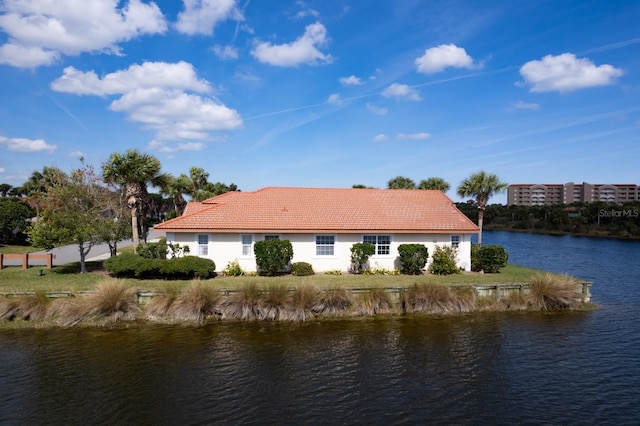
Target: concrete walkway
(70, 254)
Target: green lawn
(67, 278)
(17, 249)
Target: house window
(203, 245)
(324, 245)
(272, 237)
(455, 241)
(247, 244)
(381, 242)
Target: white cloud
(373, 109)
(413, 136)
(201, 16)
(225, 52)
(401, 91)
(526, 105)
(350, 81)
(76, 154)
(436, 59)
(180, 75)
(26, 145)
(380, 137)
(2, 169)
(566, 73)
(157, 95)
(40, 31)
(302, 51)
(334, 99)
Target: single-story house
(322, 225)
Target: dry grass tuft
(113, 300)
(550, 292)
(301, 303)
(159, 306)
(68, 311)
(274, 303)
(334, 301)
(195, 303)
(435, 299)
(34, 308)
(244, 305)
(9, 308)
(373, 302)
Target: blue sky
(325, 93)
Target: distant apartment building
(558, 193)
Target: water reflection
(499, 368)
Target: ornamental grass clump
(373, 302)
(274, 303)
(195, 303)
(435, 299)
(159, 306)
(34, 308)
(113, 300)
(334, 301)
(553, 292)
(245, 304)
(301, 303)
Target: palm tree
(134, 171)
(434, 183)
(481, 186)
(176, 188)
(401, 182)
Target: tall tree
(401, 182)
(38, 183)
(5, 188)
(134, 171)
(434, 183)
(74, 211)
(481, 186)
(175, 189)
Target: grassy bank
(67, 278)
(196, 302)
(100, 299)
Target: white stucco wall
(225, 248)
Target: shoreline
(113, 302)
(558, 233)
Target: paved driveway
(69, 254)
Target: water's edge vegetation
(114, 301)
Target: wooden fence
(26, 258)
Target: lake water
(489, 368)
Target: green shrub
(302, 269)
(272, 256)
(360, 253)
(488, 258)
(413, 258)
(444, 261)
(129, 265)
(153, 250)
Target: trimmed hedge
(488, 258)
(129, 265)
(413, 258)
(272, 256)
(302, 269)
(360, 253)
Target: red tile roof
(312, 210)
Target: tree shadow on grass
(74, 267)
